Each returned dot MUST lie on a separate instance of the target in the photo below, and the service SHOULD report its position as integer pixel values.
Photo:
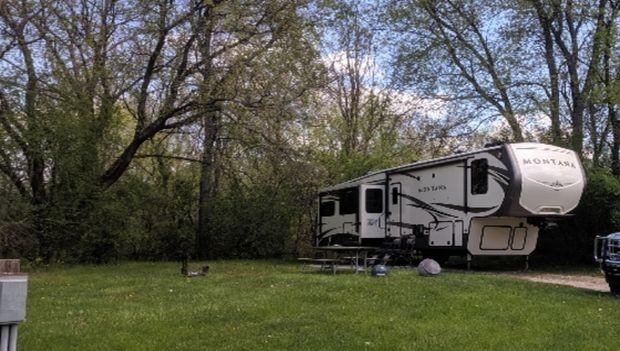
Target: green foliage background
(285, 120)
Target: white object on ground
(429, 267)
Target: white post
(13, 338)
(4, 338)
(13, 291)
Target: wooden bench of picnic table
(325, 263)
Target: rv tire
(614, 286)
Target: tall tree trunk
(460, 46)
(515, 127)
(594, 135)
(615, 148)
(34, 150)
(614, 119)
(203, 242)
(611, 98)
(565, 29)
(552, 68)
(577, 125)
(210, 116)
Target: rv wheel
(614, 286)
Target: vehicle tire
(614, 286)
(442, 259)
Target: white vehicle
(486, 202)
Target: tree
(566, 20)
(166, 64)
(611, 81)
(275, 38)
(445, 48)
(358, 113)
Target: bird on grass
(190, 274)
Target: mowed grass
(264, 305)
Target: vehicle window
(328, 208)
(394, 195)
(479, 176)
(348, 201)
(374, 201)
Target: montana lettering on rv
(548, 161)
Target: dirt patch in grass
(575, 280)
(579, 277)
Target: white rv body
(486, 202)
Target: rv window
(374, 200)
(328, 209)
(394, 195)
(348, 201)
(479, 176)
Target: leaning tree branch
(172, 157)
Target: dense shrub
(17, 235)
(252, 223)
(18, 240)
(598, 213)
(158, 221)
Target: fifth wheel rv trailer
(487, 202)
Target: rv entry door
(372, 212)
(395, 211)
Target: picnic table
(359, 259)
(325, 263)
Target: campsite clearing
(268, 305)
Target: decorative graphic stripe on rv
(326, 231)
(410, 176)
(413, 226)
(426, 207)
(501, 176)
(498, 178)
(469, 209)
(500, 172)
(403, 224)
(377, 182)
(338, 233)
(556, 185)
(564, 151)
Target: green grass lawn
(259, 305)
